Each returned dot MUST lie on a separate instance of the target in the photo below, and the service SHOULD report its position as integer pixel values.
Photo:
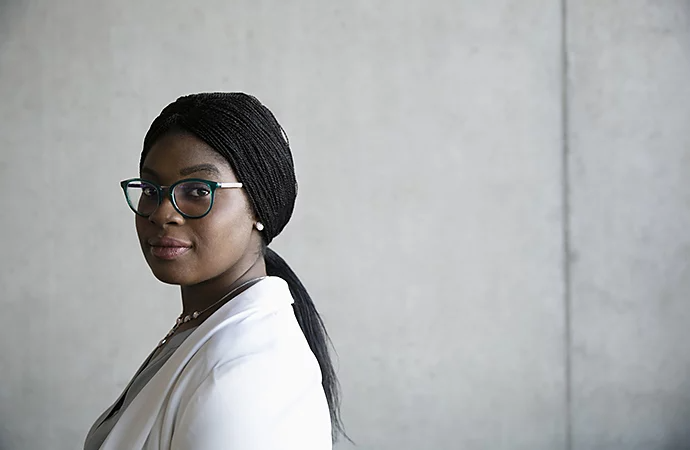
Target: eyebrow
(208, 168)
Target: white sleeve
(262, 402)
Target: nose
(166, 213)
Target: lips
(168, 248)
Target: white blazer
(245, 379)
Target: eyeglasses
(191, 197)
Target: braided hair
(249, 137)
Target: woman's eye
(196, 191)
(149, 191)
(199, 192)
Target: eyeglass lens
(193, 198)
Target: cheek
(224, 238)
(140, 223)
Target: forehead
(173, 154)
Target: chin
(169, 279)
(169, 274)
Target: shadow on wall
(678, 432)
(12, 13)
(4, 430)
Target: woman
(246, 365)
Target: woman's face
(191, 251)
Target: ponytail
(314, 331)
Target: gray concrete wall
(630, 204)
(431, 226)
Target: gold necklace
(184, 319)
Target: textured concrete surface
(429, 227)
(630, 221)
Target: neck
(203, 295)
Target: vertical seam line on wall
(566, 237)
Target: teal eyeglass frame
(212, 185)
